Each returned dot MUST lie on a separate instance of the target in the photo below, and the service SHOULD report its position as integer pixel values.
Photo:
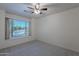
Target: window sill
(15, 38)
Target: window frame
(8, 28)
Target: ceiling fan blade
(30, 7)
(25, 11)
(44, 9)
(32, 12)
(40, 12)
(28, 11)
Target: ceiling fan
(36, 9)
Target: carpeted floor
(36, 48)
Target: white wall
(7, 43)
(61, 29)
(33, 28)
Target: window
(16, 28)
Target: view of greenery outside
(19, 28)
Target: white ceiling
(18, 8)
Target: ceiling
(18, 8)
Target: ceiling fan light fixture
(36, 8)
(37, 11)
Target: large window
(16, 28)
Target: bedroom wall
(61, 29)
(11, 42)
